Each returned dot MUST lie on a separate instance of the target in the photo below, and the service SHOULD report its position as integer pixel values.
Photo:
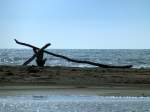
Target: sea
(139, 58)
(75, 102)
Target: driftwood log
(74, 60)
(33, 57)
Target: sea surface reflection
(73, 103)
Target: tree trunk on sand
(73, 60)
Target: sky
(76, 24)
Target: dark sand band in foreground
(73, 76)
(105, 82)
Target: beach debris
(38, 53)
(66, 58)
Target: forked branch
(74, 60)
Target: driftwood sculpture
(38, 54)
(66, 58)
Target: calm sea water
(138, 58)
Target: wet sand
(72, 90)
(31, 80)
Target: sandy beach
(88, 81)
(72, 76)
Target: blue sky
(76, 24)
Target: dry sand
(52, 80)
